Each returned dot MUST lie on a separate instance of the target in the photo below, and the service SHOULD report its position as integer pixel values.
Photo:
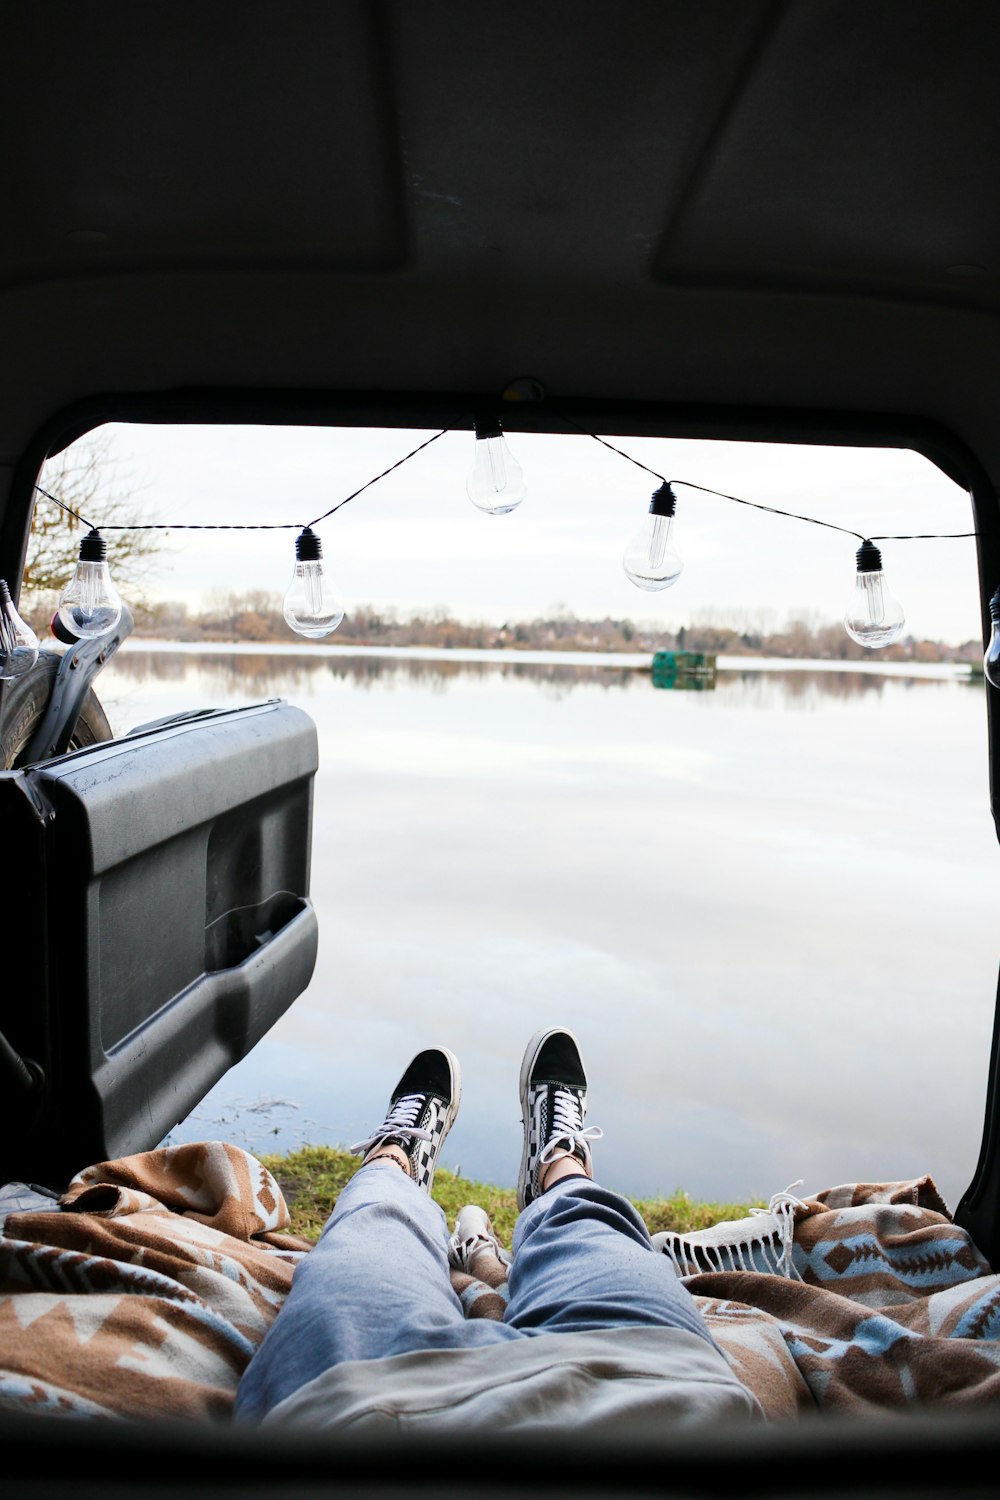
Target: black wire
(774, 510)
(412, 454)
(922, 536)
(176, 525)
(620, 451)
(63, 506)
(242, 525)
(928, 536)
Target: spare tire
(24, 703)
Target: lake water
(767, 909)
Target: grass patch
(312, 1177)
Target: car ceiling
(658, 204)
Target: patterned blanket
(146, 1288)
(882, 1302)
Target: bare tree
(87, 478)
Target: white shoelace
(400, 1121)
(462, 1251)
(567, 1131)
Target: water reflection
(274, 675)
(683, 682)
(749, 686)
(807, 691)
(224, 671)
(767, 910)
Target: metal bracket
(77, 670)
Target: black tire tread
(23, 706)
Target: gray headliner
(663, 201)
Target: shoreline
(612, 660)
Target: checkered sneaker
(419, 1118)
(554, 1109)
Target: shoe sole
(527, 1064)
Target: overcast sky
(415, 541)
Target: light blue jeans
(377, 1282)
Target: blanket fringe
(761, 1242)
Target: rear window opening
(759, 888)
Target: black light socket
(488, 427)
(93, 548)
(995, 607)
(664, 501)
(869, 558)
(308, 547)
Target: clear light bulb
(651, 560)
(495, 483)
(313, 607)
(90, 604)
(874, 616)
(18, 642)
(991, 661)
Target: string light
(313, 607)
(18, 642)
(90, 605)
(496, 482)
(991, 661)
(879, 620)
(874, 617)
(651, 560)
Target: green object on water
(684, 670)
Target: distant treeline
(256, 616)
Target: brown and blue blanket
(145, 1289)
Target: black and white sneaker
(422, 1110)
(553, 1108)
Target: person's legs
(583, 1261)
(582, 1255)
(377, 1283)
